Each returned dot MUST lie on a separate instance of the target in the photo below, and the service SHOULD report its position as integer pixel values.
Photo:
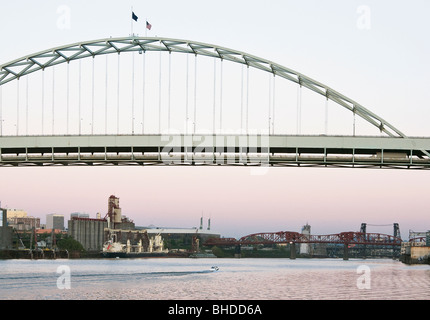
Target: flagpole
(131, 22)
(146, 29)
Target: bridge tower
(363, 229)
(396, 231)
(396, 234)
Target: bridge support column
(292, 250)
(345, 252)
(364, 252)
(237, 252)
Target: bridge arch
(20, 67)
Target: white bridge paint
(396, 150)
(39, 61)
(209, 149)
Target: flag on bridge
(133, 16)
(148, 25)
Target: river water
(191, 279)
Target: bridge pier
(364, 252)
(237, 251)
(345, 252)
(292, 250)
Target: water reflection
(262, 279)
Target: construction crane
(20, 240)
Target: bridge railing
(259, 150)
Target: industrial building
(91, 232)
(115, 218)
(182, 235)
(5, 231)
(305, 248)
(417, 249)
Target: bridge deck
(209, 149)
(289, 237)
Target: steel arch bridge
(287, 237)
(394, 150)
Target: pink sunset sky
(331, 200)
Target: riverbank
(35, 254)
(415, 254)
(216, 253)
(64, 254)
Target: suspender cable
(241, 101)
(247, 99)
(195, 93)
(53, 99)
(143, 93)
(326, 116)
(220, 98)
(270, 103)
(43, 98)
(168, 106)
(26, 105)
(273, 104)
(299, 111)
(79, 98)
(117, 95)
(186, 98)
(92, 98)
(106, 94)
(1, 111)
(159, 95)
(17, 106)
(68, 100)
(353, 123)
(132, 95)
(214, 102)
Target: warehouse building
(183, 236)
(89, 232)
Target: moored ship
(115, 249)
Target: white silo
(305, 247)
